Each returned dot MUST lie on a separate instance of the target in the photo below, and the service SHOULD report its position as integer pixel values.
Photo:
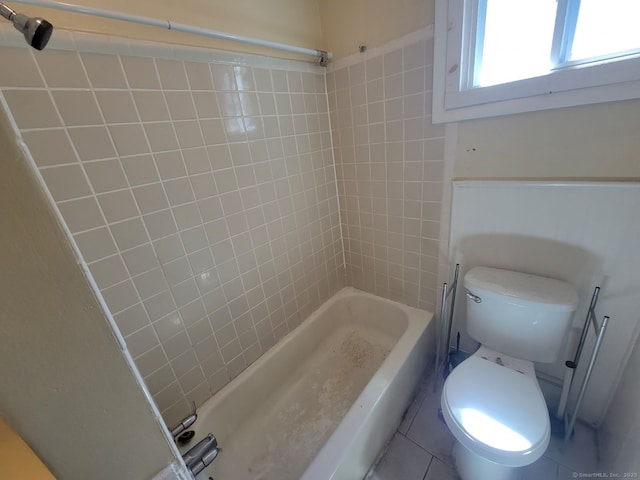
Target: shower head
(36, 31)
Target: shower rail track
(322, 57)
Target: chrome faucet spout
(202, 454)
(185, 422)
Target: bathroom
(307, 194)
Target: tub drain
(186, 437)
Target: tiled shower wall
(390, 162)
(200, 188)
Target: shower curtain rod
(322, 57)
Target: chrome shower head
(36, 31)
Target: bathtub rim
(332, 454)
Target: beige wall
(66, 388)
(593, 141)
(346, 24)
(295, 22)
(619, 439)
(590, 141)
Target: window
(495, 57)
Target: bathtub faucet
(185, 422)
(202, 454)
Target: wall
(200, 192)
(295, 22)
(619, 439)
(389, 161)
(66, 387)
(568, 233)
(346, 24)
(597, 142)
(592, 141)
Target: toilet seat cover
(499, 410)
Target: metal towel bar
(590, 320)
(446, 293)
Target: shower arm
(6, 12)
(322, 57)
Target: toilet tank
(518, 314)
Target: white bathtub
(322, 403)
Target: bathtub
(324, 401)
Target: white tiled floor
(421, 448)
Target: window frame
(576, 83)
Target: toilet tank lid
(522, 286)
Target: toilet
(492, 402)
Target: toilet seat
(497, 412)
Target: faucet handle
(202, 454)
(206, 460)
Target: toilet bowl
(494, 407)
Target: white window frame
(454, 51)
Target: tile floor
(421, 448)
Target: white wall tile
(199, 76)
(23, 72)
(81, 214)
(117, 106)
(104, 71)
(32, 109)
(140, 259)
(62, 69)
(380, 121)
(50, 147)
(96, 244)
(140, 72)
(77, 107)
(168, 326)
(106, 176)
(109, 271)
(66, 182)
(182, 190)
(92, 143)
(120, 297)
(179, 192)
(159, 306)
(160, 224)
(119, 205)
(172, 74)
(128, 234)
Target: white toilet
(492, 402)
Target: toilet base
(471, 466)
